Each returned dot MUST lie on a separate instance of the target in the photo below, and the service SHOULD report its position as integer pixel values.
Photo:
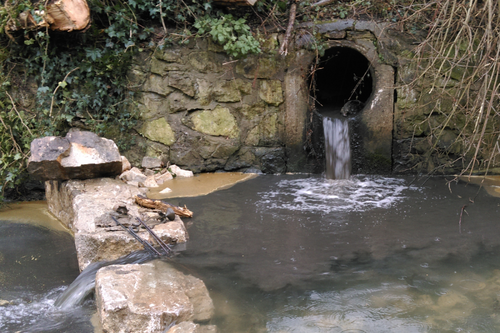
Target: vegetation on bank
(80, 78)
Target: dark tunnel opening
(343, 75)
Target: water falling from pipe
(337, 148)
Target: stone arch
(373, 132)
(376, 125)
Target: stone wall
(203, 111)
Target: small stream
(297, 253)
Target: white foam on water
(31, 311)
(359, 193)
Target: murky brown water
(294, 253)
(35, 213)
(200, 184)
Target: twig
(293, 11)
(20, 118)
(57, 88)
(460, 220)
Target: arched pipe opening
(350, 83)
(343, 75)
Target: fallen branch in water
(163, 206)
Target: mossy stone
(158, 130)
(227, 92)
(270, 92)
(218, 122)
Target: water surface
(37, 262)
(369, 254)
(296, 253)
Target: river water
(297, 253)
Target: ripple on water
(359, 193)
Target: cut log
(60, 15)
(68, 15)
(163, 206)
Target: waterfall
(337, 148)
(84, 284)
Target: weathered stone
(270, 92)
(162, 68)
(253, 110)
(272, 160)
(244, 159)
(219, 122)
(150, 181)
(227, 91)
(178, 172)
(218, 148)
(158, 85)
(80, 155)
(169, 54)
(82, 205)
(151, 104)
(203, 91)
(177, 101)
(260, 68)
(151, 162)
(110, 245)
(78, 203)
(270, 43)
(133, 175)
(158, 130)
(266, 133)
(203, 62)
(183, 83)
(147, 298)
(163, 177)
(46, 155)
(125, 164)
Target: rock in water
(147, 298)
(351, 108)
(79, 155)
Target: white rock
(125, 164)
(163, 177)
(165, 190)
(150, 181)
(178, 172)
(133, 175)
(147, 298)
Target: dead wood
(163, 206)
(291, 21)
(59, 15)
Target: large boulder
(79, 155)
(149, 297)
(86, 206)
